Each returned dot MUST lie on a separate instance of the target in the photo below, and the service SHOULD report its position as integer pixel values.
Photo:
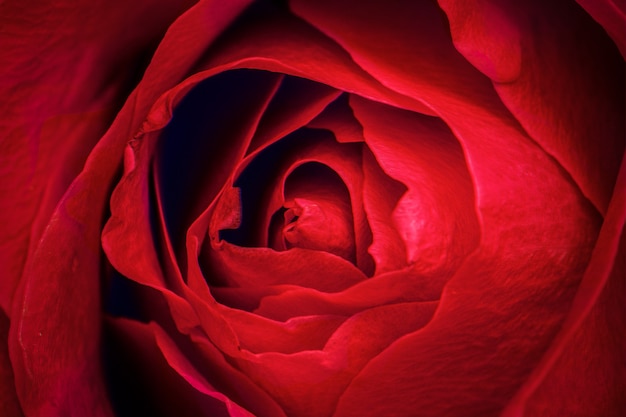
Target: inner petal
(317, 213)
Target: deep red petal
(259, 334)
(435, 217)
(169, 382)
(612, 16)
(405, 45)
(405, 285)
(244, 267)
(67, 67)
(591, 342)
(567, 87)
(295, 104)
(503, 307)
(49, 353)
(277, 41)
(127, 237)
(9, 404)
(233, 381)
(308, 383)
(339, 119)
(380, 196)
(55, 340)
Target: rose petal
(59, 280)
(568, 94)
(169, 382)
(435, 218)
(423, 65)
(246, 298)
(318, 212)
(345, 161)
(217, 120)
(127, 237)
(296, 102)
(233, 381)
(612, 16)
(237, 266)
(406, 285)
(231, 330)
(586, 344)
(271, 39)
(380, 196)
(55, 342)
(588, 376)
(60, 88)
(258, 334)
(262, 184)
(512, 179)
(307, 384)
(9, 404)
(339, 119)
(501, 310)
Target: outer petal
(60, 83)
(168, 384)
(611, 14)
(559, 74)
(54, 357)
(404, 45)
(55, 333)
(9, 404)
(584, 372)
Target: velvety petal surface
(165, 382)
(504, 305)
(296, 103)
(274, 40)
(60, 87)
(9, 404)
(590, 346)
(611, 14)
(50, 353)
(435, 217)
(308, 383)
(567, 85)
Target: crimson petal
(567, 87)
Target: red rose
(325, 208)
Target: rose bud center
(320, 224)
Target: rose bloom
(312, 208)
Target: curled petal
(435, 217)
(308, 383)
(244, 267)
(283, 302)
(169, 382)
(61, 87)
(611, 16)
(297, 101)
(588, 344)
(269, 39)
(9, 403)
(380, 196)
(568, 91)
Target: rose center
(318, 225)
(317, 213)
